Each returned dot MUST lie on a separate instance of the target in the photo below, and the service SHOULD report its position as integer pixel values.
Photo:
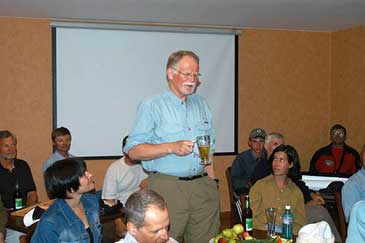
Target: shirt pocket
(202, 127)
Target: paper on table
(24, 211)
(319, 232)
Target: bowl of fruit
(236, 234)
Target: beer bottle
(247, 215)
(18, 199)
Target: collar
(176, 100)
(59, 154)
(288, 186)
(261, 155)
(129, 238)
(68, 212)
(15, 162)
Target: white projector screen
(100, 76)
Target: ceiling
(309, 15)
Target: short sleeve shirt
(20, 175)
(121, 180)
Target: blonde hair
(175, 57)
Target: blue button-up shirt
(56, 156)
(166, 118)
(353, 191)
(356, 229)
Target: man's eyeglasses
(339, 132)
(196, 76)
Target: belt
(190, 178)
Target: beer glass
(270, 217)
(203, 143)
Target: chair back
(341, 216)
(236, 206)
(230, 188)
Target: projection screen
(101, 75)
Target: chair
(341, 216)
(236, 208)
(230, 188)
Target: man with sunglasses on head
(163, 138)
(15, 174)
(337, 158)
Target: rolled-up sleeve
(142, 131)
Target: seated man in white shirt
(122, 178)
(61, 140)
(147, 218)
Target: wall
(26, 93)
(348, 79)
(26, 88)
(284, 85)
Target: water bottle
(287, 227)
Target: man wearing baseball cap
(244, 164)
(337, 158)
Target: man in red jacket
(337, 158)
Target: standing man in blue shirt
(356, 228)
(354, 188)
(163, 138)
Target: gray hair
(272, 135)
(6, 134)
(139, 202)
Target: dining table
(262, 234)
(15, 222)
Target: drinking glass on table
(203, 143)
(270, 217)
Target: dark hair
(6, 134)
(59, 131)
(64, 176)
(124, 142)
(293, 158)
(336, 127)
(139, 202)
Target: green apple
(238, 229)
(227, 233)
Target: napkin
(33, 216)
(319, 232)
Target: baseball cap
(258, 133)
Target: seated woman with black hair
(74, 216)
(278, 189)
